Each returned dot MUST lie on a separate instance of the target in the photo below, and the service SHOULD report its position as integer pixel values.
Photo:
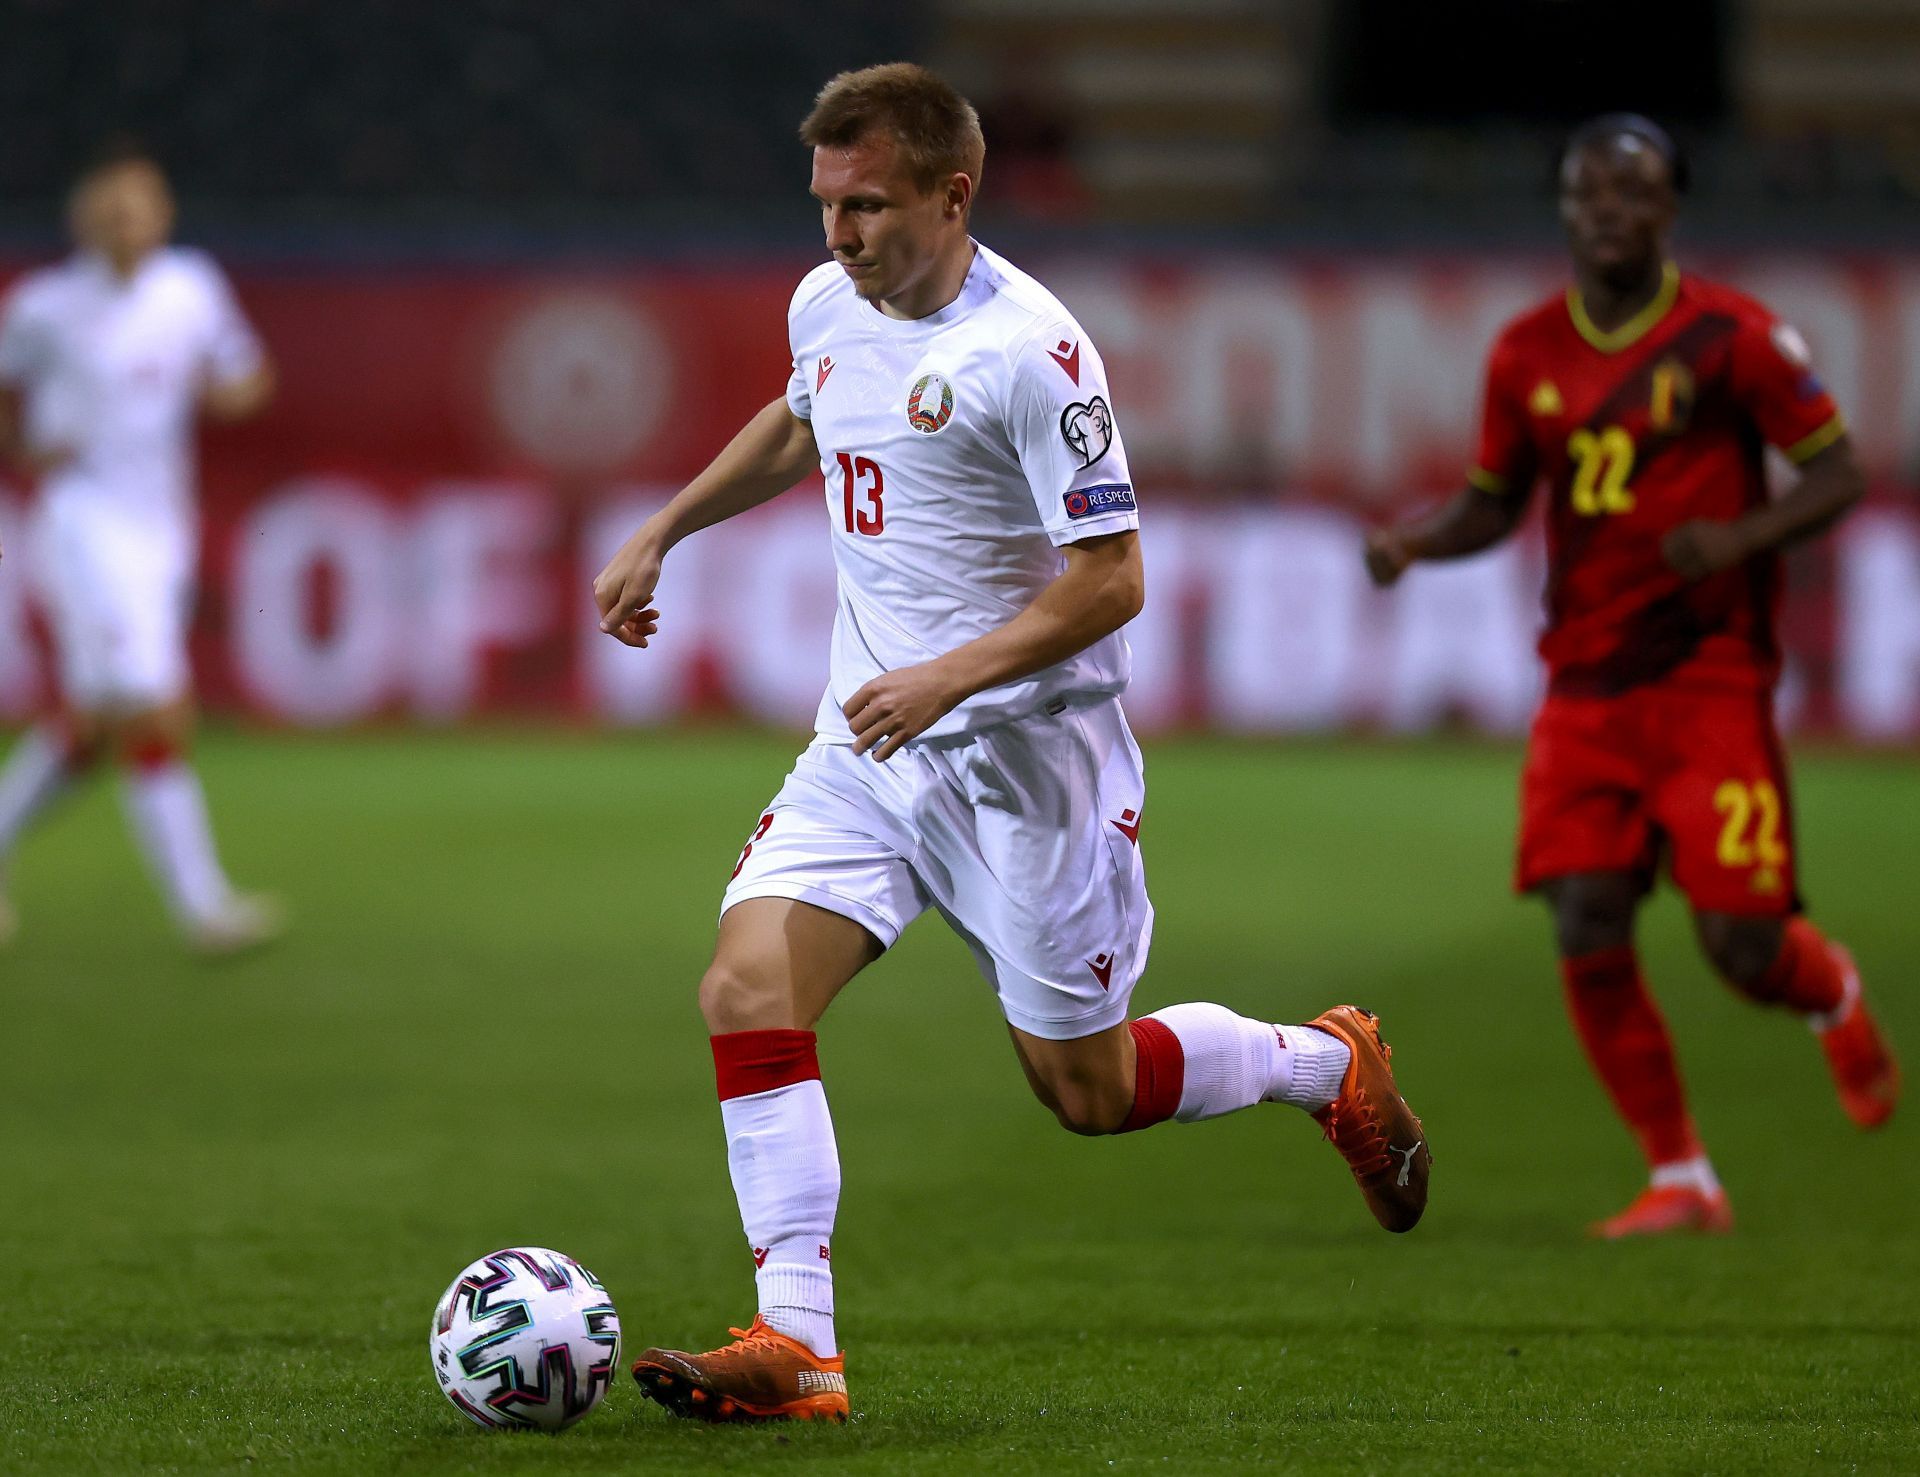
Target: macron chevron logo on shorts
(1108, 497)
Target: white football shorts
(118, 593)
(1025, 837)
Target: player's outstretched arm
(773, 451)
(14, 451)
(1473, 521)
(239, 399)
(1101, 589)
(1831, 482)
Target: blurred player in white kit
(106, 361)
(970, 753)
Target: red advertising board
(412, 527)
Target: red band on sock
(746, 1062)
(1804, 975)
(147, 755)
(1626, 1041)
(1160, 1072)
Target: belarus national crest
(930, 404)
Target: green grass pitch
(232, 1193)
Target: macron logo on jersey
(1108, 497)
(1066, 354)
(820, 375)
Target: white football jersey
(111, 370)
(960, 450)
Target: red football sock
(1804, 976)
(1626, 1041)
(1160, 1072)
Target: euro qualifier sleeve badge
(1087, 428)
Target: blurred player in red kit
(1645, 399)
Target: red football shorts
(1694, 776)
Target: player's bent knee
(733, 998)
(1087, 1120)
(1741, 950)
(1088, 1108)
(149, 736)
(1593, 913)
(82, 744)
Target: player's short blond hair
(937, 129)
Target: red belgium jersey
(1636, 431)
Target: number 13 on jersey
(865, 493)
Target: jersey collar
(95, 265)
(1612, 341)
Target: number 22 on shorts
(1752, 829)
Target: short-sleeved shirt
(1636, 431)
(960, 452)
(110, 370)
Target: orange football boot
(1864, 1071)
(1661, 1210)
(761, 1376)
(1371, 1124)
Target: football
(527, 1338)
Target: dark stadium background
(523, 267)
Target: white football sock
(1696, 1174)
(168, 812)
(1313, 1064)
(1233, 1062)
(36, 773)
(786, 1176)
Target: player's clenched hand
(897, 706)
(623, 591)
(1387, 556)
(1703, 547)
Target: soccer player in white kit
(105, 361)
(970, 755)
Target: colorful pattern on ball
(525, 1337)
